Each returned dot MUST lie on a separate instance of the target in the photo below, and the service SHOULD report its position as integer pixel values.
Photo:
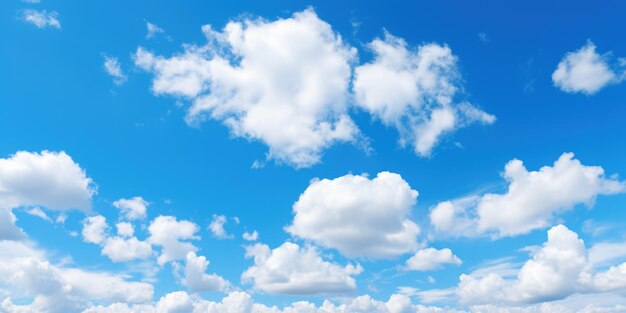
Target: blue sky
(374, 148)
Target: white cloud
(39, 213)
(31, 1)
(217, 227)
(290, 269)
(251, 236)
(559, 269)
(124, 248)
(195, 277)
(531, 201)
(415, 91)
(585, 71)
(430, 259)
(335, 212)
(167, 232)
(54, 288)
(94, 229)
(284, 83)
(125, 229)
(153, 30)
(51, 180)
(134, 208)
(120, 249)
(42, 18)
(113, 68)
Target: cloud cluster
(586, 71)
(291, 269)
(557, 270)
(25, 270)
(287, 83)
(121, 248)
(335, 212)
(532, 200)
(414, 91)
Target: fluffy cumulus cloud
(54, 288)
(114, 69)
(557, 270)
(431, 259)
(42, 18)
(532, 200)
(196, 279)
(51, 180)
(134, 208)
(335, 212)
(173, 237)
(291, 269)
(122, 248)
(415, 91)
(586, 71)
(284, 83)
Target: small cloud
(484, 38)
(39, 213)
(31, 1)
(586, 71)
(113, 68)
(217, 227)
(153, 30)
(251, 236)
(42, 19)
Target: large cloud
(51, 180)
(290, 269)
(241, 302)
(415, 91)
(55, 288)
(585, 71)
(358, 216)
(284, 83)
(531, 201)
(557, 270)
